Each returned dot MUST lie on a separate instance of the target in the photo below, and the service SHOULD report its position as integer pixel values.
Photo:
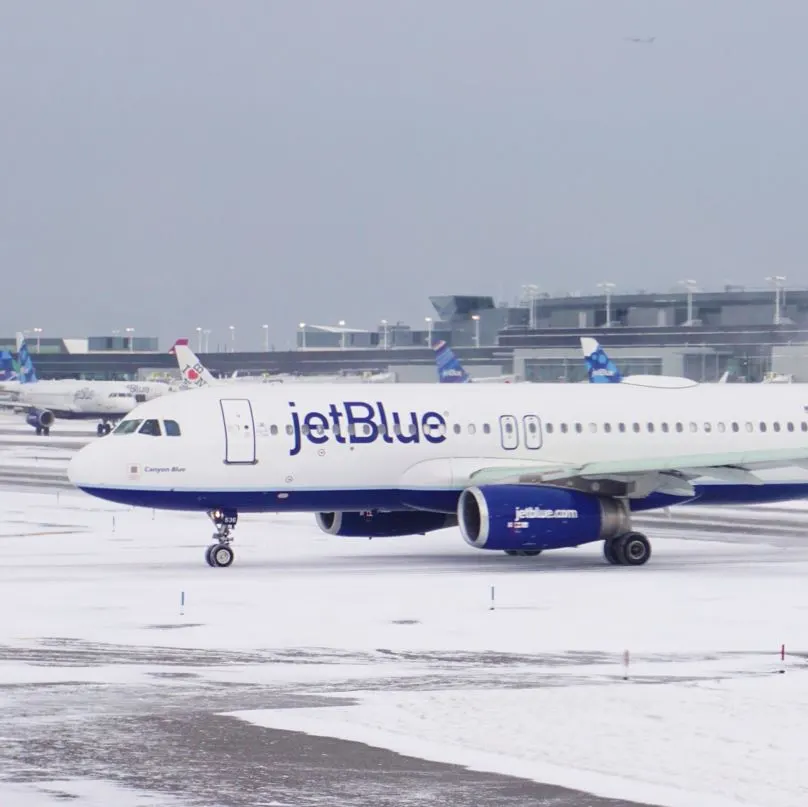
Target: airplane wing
(644, 476)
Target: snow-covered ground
(533, 687)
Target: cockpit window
(172, 428)
(151, 427)
(127, 426)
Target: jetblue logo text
(522, 513)
(358, 422)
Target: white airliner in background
(44, 401)
(521, 468)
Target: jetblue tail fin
(25, 366)
(193, 371)
(7, 370)
(601, 369)
(450, 370)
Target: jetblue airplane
(45, 401)
(602, 370)
(520, 470)
(451, 371)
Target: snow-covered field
(532, 687)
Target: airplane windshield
(127, 426)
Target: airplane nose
(81, 467)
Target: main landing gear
(220, 554)
(631, 549)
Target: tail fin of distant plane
(8, 371)
(724, 377)
(601, 369)
(25, 366)
(192, 370)
(450, 371)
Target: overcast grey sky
(171, 164)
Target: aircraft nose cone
(81, 467)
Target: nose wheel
(220, 554)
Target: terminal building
(700, 335)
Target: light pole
(266, 337)
(428, 321)
(530, 292)
(38, 332)
(302, 326)
(198, 339)
(690, 285)
(778, 281)
(342, 340)
(131, 339)
(384, 334)
(206, 334)
(476, 318)
(607, 287)
(232, 338)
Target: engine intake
(39, 418)
(383, 523)
(507, 517)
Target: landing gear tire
(523, 553)
(610, 551)
(99, 429)
(631, 549)
(220, 555)
(635, 549)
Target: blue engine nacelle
(39, 418)
(383, 523)
(514, 517)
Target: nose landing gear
(220, 554)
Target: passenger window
(790, 426)
(486, 428)
(694, 427)
(150, 427)
(607, 427)
(579, 428)
(762, 426)
(708, 427)
(127, 426)
(721, 427)
(664, 428)
(621, 427)
(288, 428)
(635, 426)
(804, 426)
(456, 428)
(650, 427)
(749, 427)
(472, 428)
(273, 429)
(564, 428)
(593, 427)
(680, 427)
(548, 427)
(172, 428)
(735, 426)
(412, 428)
(776, 426)
(304, 428)
(397, 428)
(531, 427)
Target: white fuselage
(75, 398)
(266, 447)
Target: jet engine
(40, 419)
(524, 517)
(383, 523)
